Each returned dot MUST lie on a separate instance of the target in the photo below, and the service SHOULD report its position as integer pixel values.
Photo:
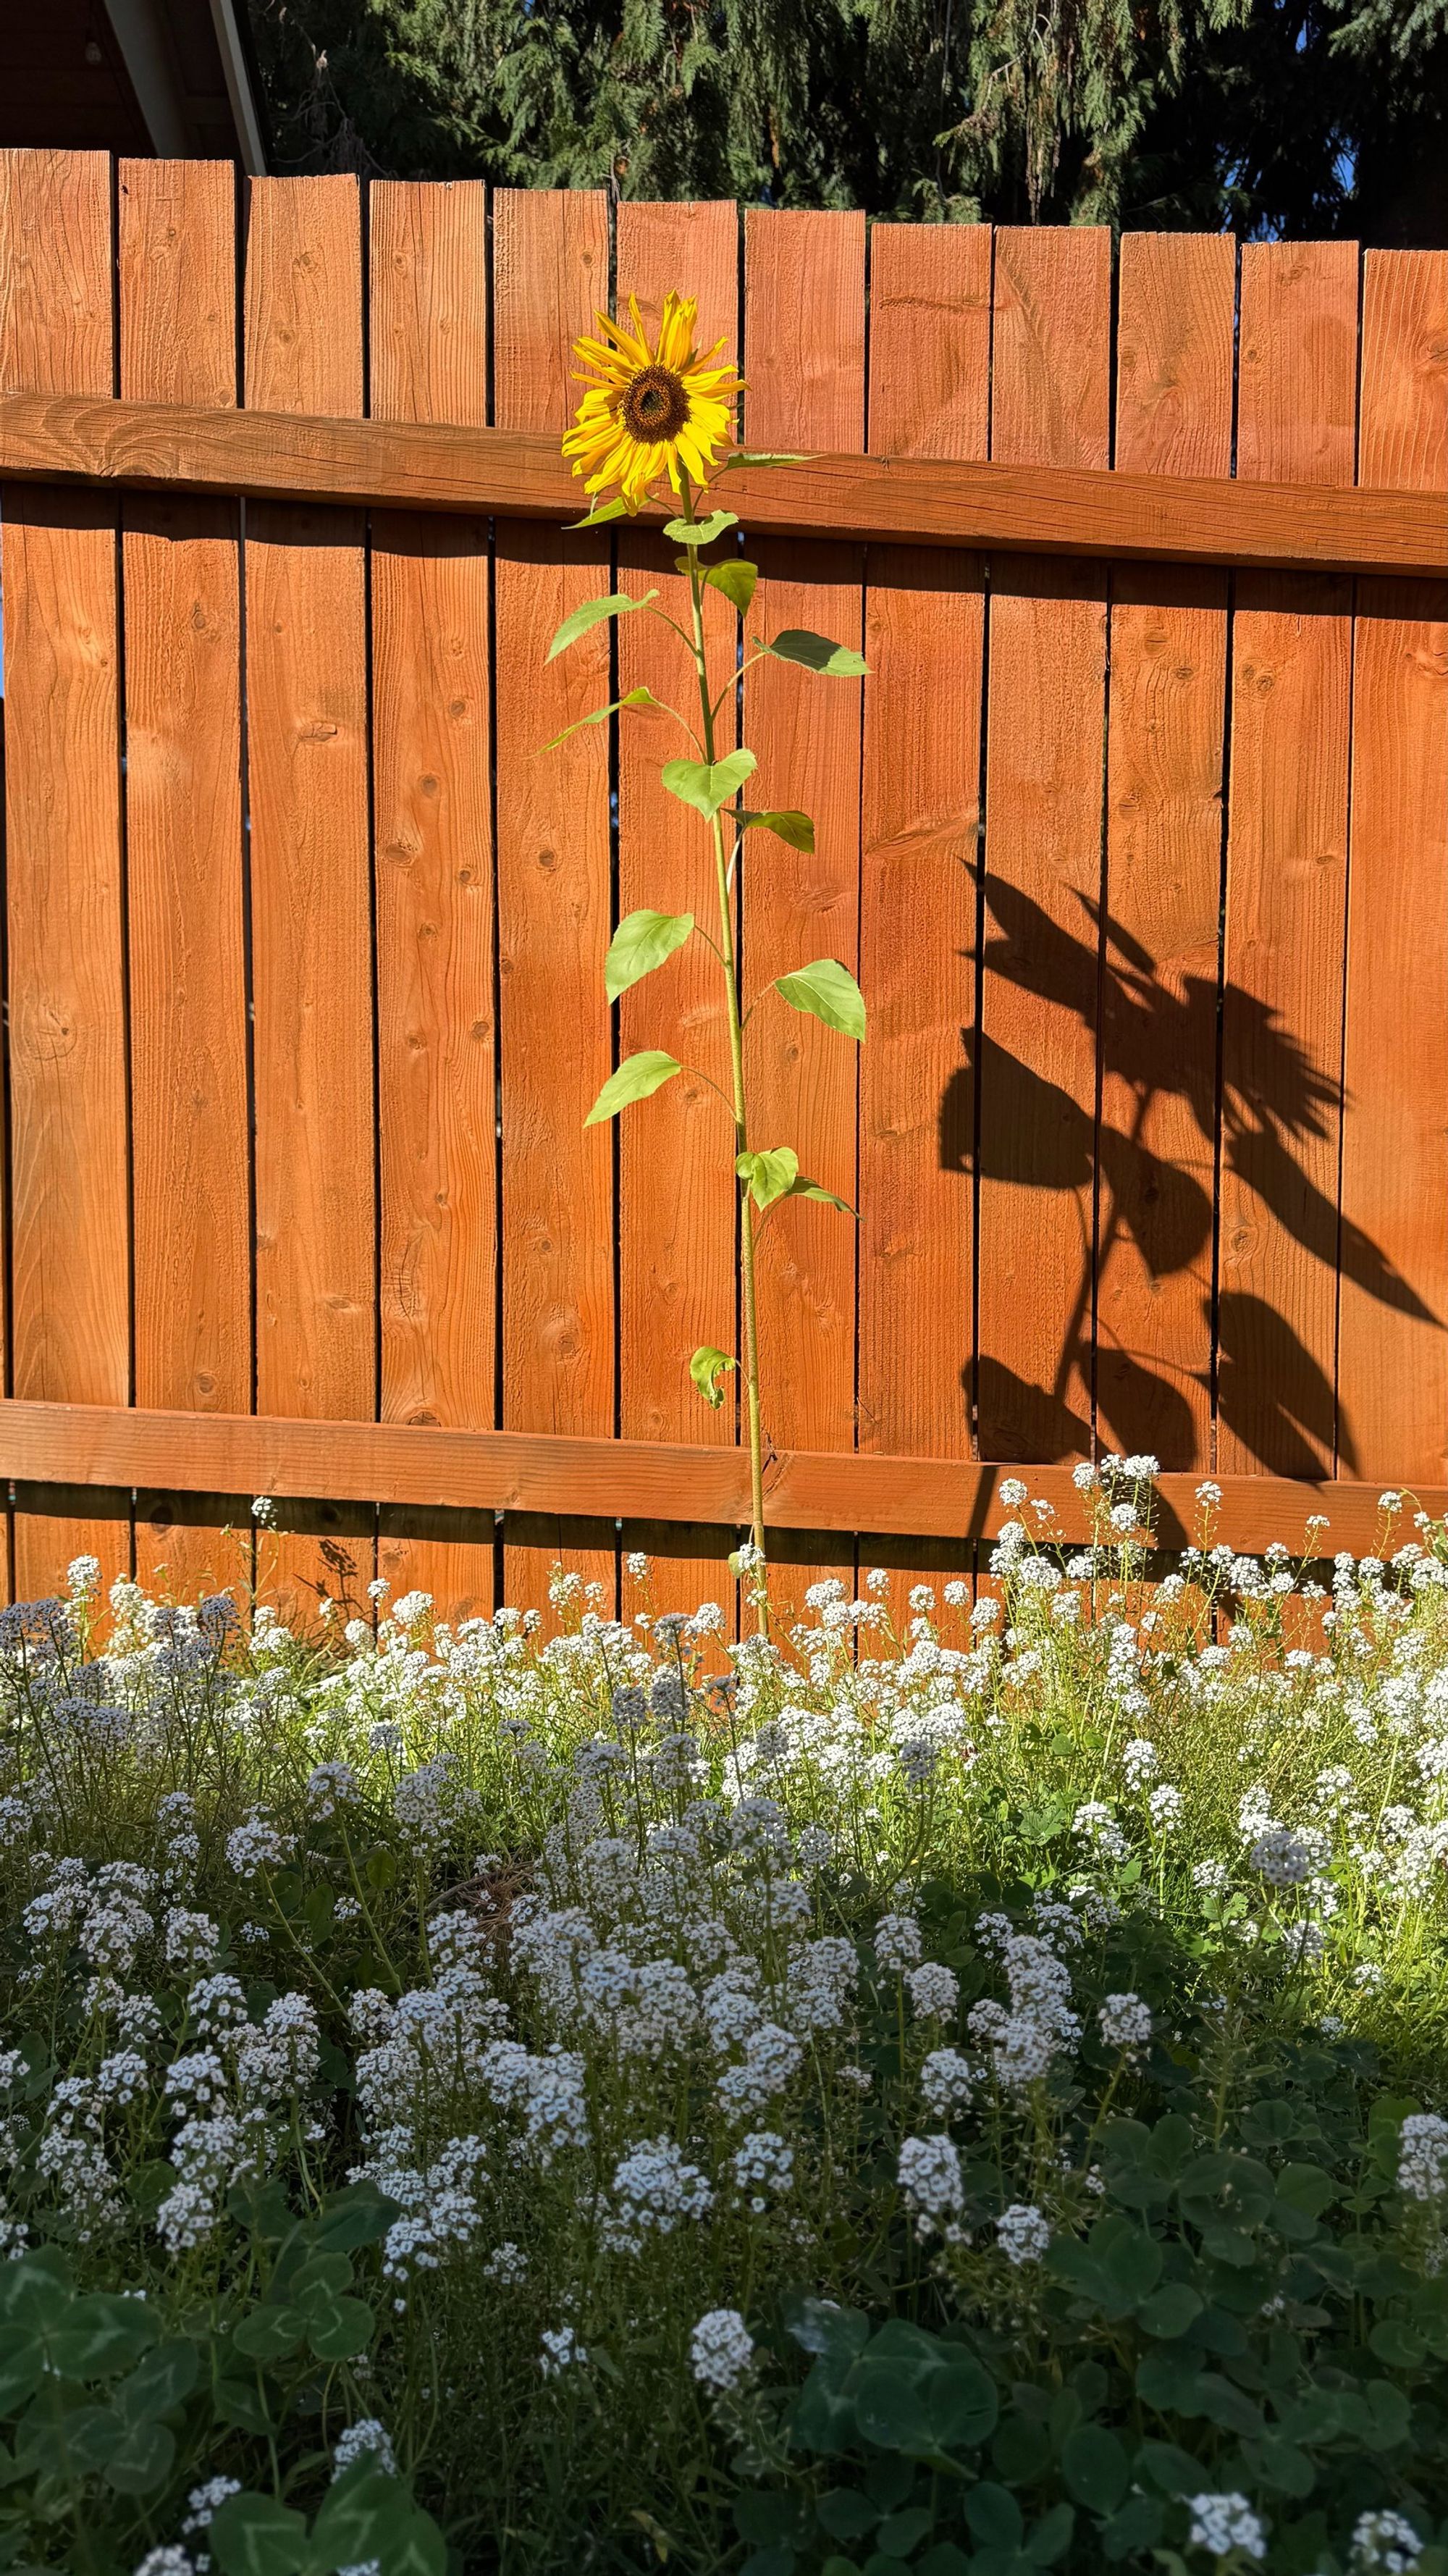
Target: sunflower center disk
(655, 405)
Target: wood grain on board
(550, 266)
(1393, 1318)
(306, 680)
(677, 1191)
(804, 359)
(432, 804)
(1286, 891)
(1050, 393)
(69, 1201)
(190, 1112)
(930, 288)
(1165, 768)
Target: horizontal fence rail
(541, 1472)
(906, 500)
(1136, 838)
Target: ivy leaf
(700, 532)
(599, 513)
(706, 787)
(254, 2535)
(600, 715)
(828, 991)
(636, 1079)
(736, 579)
(796, 829)
(592, 613)
(770, 1175)
(706, 1368)
(817, 653)
(641, 942)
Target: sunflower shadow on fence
(1155, 1043)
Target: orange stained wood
(1286, 891)
(1393, 1321)
(550, 253)
(930, 395)
(804, 352)
(306, 661)
(1050, 391)
(1165, 752)
(69, 1213)
(190, 1118)
(432, 802)
(677, 1191)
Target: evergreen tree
(1290, 116)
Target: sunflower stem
(729, 962)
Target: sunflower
(648, 411)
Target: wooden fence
(1140, 853)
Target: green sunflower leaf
(706, 1369)
(817, 653)
(761, 456)
(736, 579)
(769, 1175)
(641, 942)
(803, 1189)
(600, 512)
(636, 1079)
(592, 613)
(796, 829)
(700, 532)
(828, 991)
(704, 787)
(635, 698)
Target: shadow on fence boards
(1143, 870)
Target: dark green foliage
(1325, 116)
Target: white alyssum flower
(1281, 1857)
(1224, 2523)
(721, 2350)
(1125, 2022)
(561, 2350)
(897, 1942)
(947, 2081)
(1423, 2156)
(763, 2163)
(1385, 2540)
(1023, 2233)
(934, 1991)
(930, 2178)
(368, 2438)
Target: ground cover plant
(963, 2099)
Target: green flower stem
(753, 1417)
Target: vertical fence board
(1286, 889)
(190, 1118)
(70, 1259)
(676, 1151)
(551, 277)
(306, 678)
(1050, 393)
(804, 358)
(930, 291)
(1157, 1145)
(432, 755)
(1393, 1329)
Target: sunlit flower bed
(966, 2100)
